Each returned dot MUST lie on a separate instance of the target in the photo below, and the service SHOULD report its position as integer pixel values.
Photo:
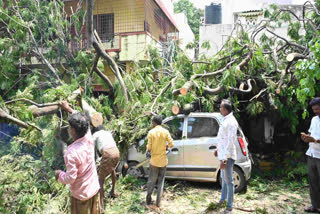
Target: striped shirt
(81, 174)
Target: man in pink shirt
(81, 174)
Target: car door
(175, 156)
(199, 160)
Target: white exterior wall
(185, 33)
(229, 7)
(218, 34)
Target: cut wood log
(186, 87)
(76, 94)
(295, 56)
(175, 108)
(96, 118)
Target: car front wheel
(239, 181)
(134, 171)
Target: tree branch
(113, 67)
(14, 120)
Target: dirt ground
(184, 197)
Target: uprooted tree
(272, 73)
(261, 72)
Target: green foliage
(308, 74)
(206, 45)
(293, 30)
(255, 108)
(26, 187)
(193, 14)
(215, 206)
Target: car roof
(217, 115)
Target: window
(202, 127)
(104, 25)
(175, 128)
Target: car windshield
(175, 127)
(202, 127)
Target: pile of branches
(257, 75)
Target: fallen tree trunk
(186, 87)
(185, 109)
(95, 117)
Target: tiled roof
(251, 13)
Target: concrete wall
(134, 47)
(229, 7)
(185, 34)
(218, 34)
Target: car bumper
(246, 168)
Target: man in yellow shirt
(157, 145)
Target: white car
(192, 158)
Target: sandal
(311, 210)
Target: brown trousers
(90, 206)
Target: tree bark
(113, 67)
(37, 112)
(90, 6)
(220, 89)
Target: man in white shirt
(313, 153)
(226, 152)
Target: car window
(175, 127)
(202, 127)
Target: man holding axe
(157, 146)
(313, 153)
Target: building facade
(127, 27)
(247, 12)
